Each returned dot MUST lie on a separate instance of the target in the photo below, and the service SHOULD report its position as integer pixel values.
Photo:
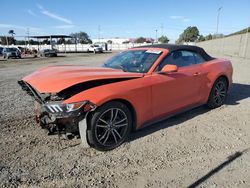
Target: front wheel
(218, 93)
(110, 126)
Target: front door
(177, 90)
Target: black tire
(218, 93)
(106, 134)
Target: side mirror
(169, 68)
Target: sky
(122, 18)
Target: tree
(81, 37)
(201, 38)
(190, 34)
(140, 40)
(69, 41)
(109, 41)
(209, 37)
(45, 41)
(12, 33)
(20, 42)
(7, 40)
(61, 41)
(33, 42)
(163, 39)
(125, 42)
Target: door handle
(196, 73)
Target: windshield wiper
(123, 68)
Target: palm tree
(11, 32)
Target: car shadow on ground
(229, 160)
(237, 93)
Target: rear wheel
(110, 126)
(218, 93)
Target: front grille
(30, 91)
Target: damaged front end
(55, 116)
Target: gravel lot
(204, 148)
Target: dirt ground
(203, 148)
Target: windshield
(10, 49)
(133, 61)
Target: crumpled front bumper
(57, 120)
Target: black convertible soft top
(174, 47)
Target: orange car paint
(152, 95)
(56, 78)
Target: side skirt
(169, 116)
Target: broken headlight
(71, 107)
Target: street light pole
(218, 19)
(156, 36)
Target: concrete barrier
(236, 46)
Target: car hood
(54, 79)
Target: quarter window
(198, 58)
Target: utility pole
(218, 19)
(7, 42)
(28, 35)
(162, 29)
(156, 39)
(99, 31)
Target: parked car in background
(28, 52)
(11, 53)
(1, 51)
(95, 48)
(48, 53)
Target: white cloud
(20, 27)
(39, 6)
(10, 26)
(64, 26)
(32, 13)
(185, 20)
(181, 18)
(176, 17)
(53, 15)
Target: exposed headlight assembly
(71, 107)
(74, 106)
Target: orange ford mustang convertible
(134, 88)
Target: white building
(116, 40)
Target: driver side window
(180, 58)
